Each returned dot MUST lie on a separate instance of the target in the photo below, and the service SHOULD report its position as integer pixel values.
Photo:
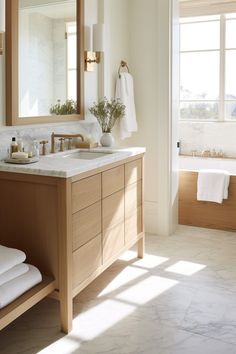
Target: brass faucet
(65, 136)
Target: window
(71, 61)
(208, 68)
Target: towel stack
(16, 277)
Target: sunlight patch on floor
(146, 290)
(185, 268)
(123, 278)
(150, 261)
(128, 256)
(65, 345)
(92, 323)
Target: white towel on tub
(212, 185)
(14, 288)
(10, 257)
(14, 272)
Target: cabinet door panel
(86, 224)
(133, 197)
(133, 171)
(113, 241)
(86, 260)
(133, 225)
(85, 192)
(113, 210)
(113, 180)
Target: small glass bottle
(20, 144)
(35, 148)
(14, 146)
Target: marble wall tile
(204, 136)
(43, 132)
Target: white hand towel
(18, 286)
(212, 185)
(9, 257)
(125, 93)
(13, 273)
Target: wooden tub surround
(74, 228)
(205, 214)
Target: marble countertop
(57, 165)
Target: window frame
(222, 70)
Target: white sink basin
(83, 155)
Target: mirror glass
(47, 58)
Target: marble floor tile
(180, 299)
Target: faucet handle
(44, 142)
(69, 143)
(62, 140)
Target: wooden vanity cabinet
(113, 204)
(133, 200)
(74, 228)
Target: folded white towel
(212, 185)
(18, 286)
(9, 257)
(125, 93)
(13, 273)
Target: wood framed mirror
(44, 61)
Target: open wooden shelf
(26, 301)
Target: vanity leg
(141, 247)
(65, 255)
(66, 314)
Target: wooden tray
(86, 145)
(22, 161)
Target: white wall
(116, 18)
(139, 31)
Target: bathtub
(188, 163)
(206, 214)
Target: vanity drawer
(113, 180)
(86, 260)
(133, 197)
(113, 241)
(133, 171)
(86, 224)
(86, 192)
(113, 210)
(133, 225)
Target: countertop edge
(55, 166)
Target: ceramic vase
(107, 140)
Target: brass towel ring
(123, 64)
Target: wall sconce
(93, 54)
(2, 24)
